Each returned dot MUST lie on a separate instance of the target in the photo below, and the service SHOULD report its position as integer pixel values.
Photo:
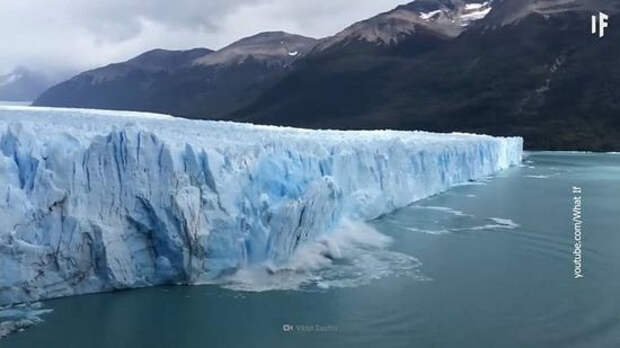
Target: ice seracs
(100, 200)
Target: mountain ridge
(418, 66)
(518, 79)
(191, 82)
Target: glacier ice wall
(101, 200)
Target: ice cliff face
(100, 200)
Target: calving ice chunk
(100, 200)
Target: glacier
(94, 200)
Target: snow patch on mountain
(475, 12)
(429, 15)
(443, 18)
(9, 78)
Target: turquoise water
(483, 265)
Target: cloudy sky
(81, 34)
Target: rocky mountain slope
(504, 67)
(529, 67)
(198, 82)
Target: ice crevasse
(95, 200)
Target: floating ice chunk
(21, 316)
(507, 223)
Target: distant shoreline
(15, 103)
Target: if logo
(599, 23)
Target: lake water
(483, 265)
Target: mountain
(121, 85)
(342, 80)
(529, 68)
(502, 67)
(198, 82)
(444, 19)
(23, 84)
(271, 48)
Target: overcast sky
(82, 34)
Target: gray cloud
(82, 34)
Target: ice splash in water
(21, 316)
(437, 220)
(538, 176)
(352, 255)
